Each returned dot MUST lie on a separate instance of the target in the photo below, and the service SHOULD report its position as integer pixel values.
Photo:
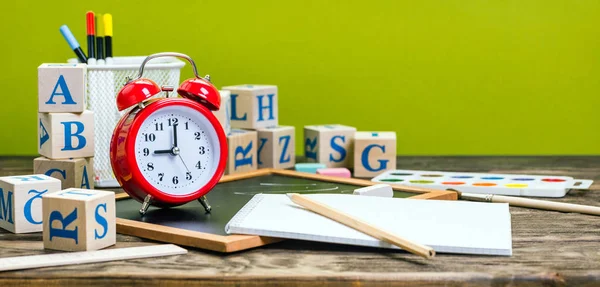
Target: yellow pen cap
(108, 31)
(99, 25)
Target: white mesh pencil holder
(103, 84)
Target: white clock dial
(177, 150)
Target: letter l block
(253, 106)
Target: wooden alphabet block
(21, 201)
(253, 106)
(224, 113)
(374, 153)
(335, 171)
(331, 145)
(75, 172)
(79, 219)
(66, 135)
(242, 151)
(62, 88)
(276, 147)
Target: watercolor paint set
(486, 183)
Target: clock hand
(188, 170)
(163, 151)
(174, 135)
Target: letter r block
(331, 145)
(21, 201)
(242, 151)
(253, 106)
(66, 135)
(276, 147)
(79, 219)
(374, 153)
(74, 172)
(62, 88)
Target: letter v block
(242, 151)
(79, 219)
(21, 201)
(62, 88)
(374, 153)
(75, 172)
(66, 135)
(253, 106)
(331, 145)
(276, 147)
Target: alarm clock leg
(205, 204)
(145, 205)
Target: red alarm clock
(168, 151)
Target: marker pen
(64, 30)
(108, 33)
(91, 38)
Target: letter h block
(374, 153)
(242, 151)
(276, 147)
(21, 201)
(74, 172)
(62, 88)
(79, 219)
(66, 135)
(253, 106)
(331, 145)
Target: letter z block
(224, 113)
(79, 219)
(75, 172)
(242, 151)
(253, 106)
(21, 201)
(66, 135)
(374, 153)
(331, 145)
(62, 88)
(276, 147)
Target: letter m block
(66, 135)
(62, 88)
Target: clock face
(177, 150)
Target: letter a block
(331, 145)
(79, 219)
(76, 172)
(62, 88)
(374, 153)
(66, 135)
(253, 106)
(276, 147)
(224, 113)
(242, 151)
(21, 201)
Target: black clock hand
(175, 135)
(163, 151)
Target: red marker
(91, 34)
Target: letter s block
(331, 145)
(242, 151)
(66, 135)
(62, 88)
(21, 201)
(276, 147)
(75, 172)
(79, 219)
(253, 106)
(374, 153)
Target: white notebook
(446, 226)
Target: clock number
(188, 175)
(197, 135)
(150, 166)
(160, 176)
(158, 126)
(146, 151)
(173, 121)
(198, 165)
(186, 126)
(202, 150)
(175, 180)
(149, 137)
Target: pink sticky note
(338, 172)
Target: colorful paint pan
(453, 183)
(523, 179)
(462, 176)
(553, 180)
(492, 178)
(516, 185)
(422, 181)
(484, 184)
(392, 180)
(431, 175)
(400, 174)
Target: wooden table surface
(549, 248)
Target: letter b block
(66, 135)
(253, 106)
(276, 147)
(61, 88)
(21, 201)
(76, 172)
(331, 145)
(242, 151)
(374, 153)
(79, 219)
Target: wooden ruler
(58, 259)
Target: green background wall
(450, 77)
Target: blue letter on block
(261, 107)
(286, 142)
(69, 134)
(85, 181)
(338, 148)
(44, 136)
(63, 232)
(61, 171)
(263, 141)
(102, 221)
(6, 207)
(28, 178)
(27, 208)
(365, 158)
(244, 152)
(64, 91)
(309, 148)
(234, 116)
